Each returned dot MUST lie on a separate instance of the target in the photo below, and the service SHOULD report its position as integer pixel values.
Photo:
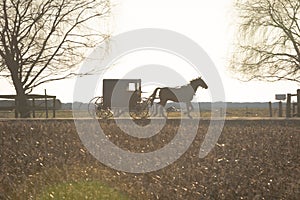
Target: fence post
(54, 108)
(33, 107)
(46, 104)
(294, 109)
(270, 108)
(280, 109)
(16, 108)
(288, 105)
(298, 103)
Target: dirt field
(253, 159)
(231, 112)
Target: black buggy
(120, 96)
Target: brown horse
(182, 94)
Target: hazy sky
(209, 23)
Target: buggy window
(131, 87)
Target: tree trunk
(22, 105)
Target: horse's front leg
(155, 109)
(189, 108)
(162, 104)
(192, 107)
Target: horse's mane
(195, 79)
(182, 86)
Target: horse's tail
(153, 95)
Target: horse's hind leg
(155, 109)
(161, 105)
(188, 106)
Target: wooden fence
(293, 108)
(36, 103)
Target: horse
(182, 94)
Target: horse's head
(199, 82)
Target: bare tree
(42, 41)
(268, 40)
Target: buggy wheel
(139, 115)
(140, 112)
(104, 113)
(96, 109)
(95, 104)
